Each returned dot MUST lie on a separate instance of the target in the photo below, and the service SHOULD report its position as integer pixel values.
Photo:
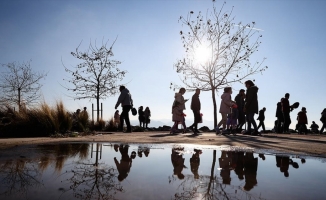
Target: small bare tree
(217, 51)
(20, 82)
(96, 76)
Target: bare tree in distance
(217, 51)
(97, 75)
(19, 82)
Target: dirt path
(306, 144)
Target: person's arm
(120, 100)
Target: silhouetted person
(177, 162)
(239, 169)
(286, 109)
(225, 162)
(195, 162)
(226, 103)
(302, 121)
(233, 119)
(262, 156)
(251, 106)
(125, 163)
(323, 120)
(195, 107)
(261, 118)
(116, 118)
(141, 117)
(239, 100)
(147, 115)
(250, 171)
(177, 110)
(279, 116)
(314, 127)
(126, 102)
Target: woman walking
(147, 115)
(225, 105)
(177, 109)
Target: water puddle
(138, 171)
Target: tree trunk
(98, 105)
(215, 108)
(19, 104)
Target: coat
(179, 98)
(251, 103)
(261, 116)
(195, 103)
(226, 103)
(125, 98)
(302, 118)
(177, 114)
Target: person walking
(239, 100)
(251, 106)
(225, 105)
(261, 118)
(286, 109)
(127, 103)
(147, 115)
(323, 120)
(279, 116)
(141, 117)
(177, 109)
(195, 107)
(116, 118)
(302, 121)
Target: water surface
(143, 171)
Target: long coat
(225, 103)
(251, 103)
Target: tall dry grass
(35, 122)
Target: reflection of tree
(18, 176)
(94, 180)
(215, 187)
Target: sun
(202, 54)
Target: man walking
(126, 102)
(251, 106)
(239, 99)
(261, 118)
(286, 109)
(195, 107)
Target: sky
(148, 45)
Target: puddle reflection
(122, 171)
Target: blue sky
(149, 44)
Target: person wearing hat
(261, 118)
(126, 103)
(302, 121)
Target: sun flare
(202, 54)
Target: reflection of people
(146, 151)
(250, 166)
(225, 162)
(283, 163)
(195, 162)
(177, 162)
(125, 163)
(239, 165)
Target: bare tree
(217, 51)
(97, 75)
(20, 82)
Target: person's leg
(174, 127)
(263, 125)
(322, 128)
(286, 117)
(197, 120)
(252, 120)
(259, 125)
(121, 121)
(125, 113)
